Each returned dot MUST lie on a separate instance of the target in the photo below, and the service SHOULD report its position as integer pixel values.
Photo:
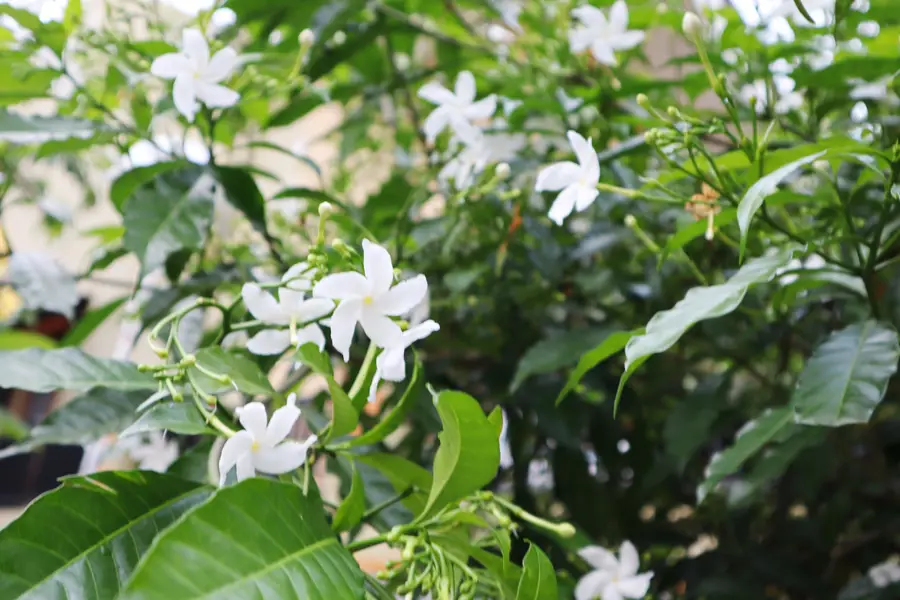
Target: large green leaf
(847, 375)
(83, 539)
(391, 421)
(556, 353)
(258, 539)
(21, 129)
(469, 453)
(609, 346)
(127, 183)
(749, 440)
(177, 417)
(344, 416)
(242, 193)
(158, 225)
(754, 197)
(17, 339)
(43, 283)
(700, 303)
(38, 370)
(352, 508)
(538, 581)
(245, 374)
(90, 322)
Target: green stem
(362, 375)
(388, 503)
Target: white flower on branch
(391, 364)
(291, 309)
(612, 578)
(577, 182)
(197, 76)
(603, 36)
(456, 109)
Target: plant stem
(388, 503)
(362, 375)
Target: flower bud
(643, 100)
(502, 171)
(325, 209)
(306, 38)
(692, 26)
(630, 221)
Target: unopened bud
(673, 112)
(630, 221)
(643, 100)
(339, 38)
(502, 171)
(692, 26)
(325, 209)
(306, 38)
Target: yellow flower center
(367, 300)
(255, 446)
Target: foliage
(695, 353)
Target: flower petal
(403, 297)
(311, 334)
(194, 46)
(269, 342)
(170, 66)
(280, 425)
(343, 324)
(312, 309)
(235, 447)
(391, 364)
(435, 123)
(626, 40)
(629, 562)
(253, 419)
(564, 204)
(557, 176)
(590, 15)
(380, 329)
(580, 39)
(220, 66)
(214, 95)
(635, 587)
(611, 592)
(591, 585)
(585, 197)
(482, 109)
(599, 558)
(262, 305)
(618, 16)
(245, 468)
(373, 387)
(419, 332)
(184, 96)
(435, 93)
(464, 90)
(283, 458)
(342, 286)
(603, 52)
(378, 267)
(298, 277)
(587, 158)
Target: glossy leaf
(242, 193)
(556, 353)
(609, 346)
(83, 539)
(23, 129)
(38, 370)
(177, 417)
(469, 452)
(393, 419)
(538, 581)
(127, 183)
(757, 193)
(43, 283)
(352, 508)
(344, 416)
(271, 542)
(245, 373)
(89, 323)
(403, 475)
(847, 375)
(16, 339)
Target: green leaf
(21, 129)
(847, 375)
(193, 464)
(390, 422)
(555, 353)
(538, 581)
(748, 441)
(344, 417)
(754, 197)
(700, 303)
(803, 11)
(177, 417)
(83, 539)
(90, 322)
(352, 509)
(242, 370)
(127, 183)
(403, 475)
(11, 427)
(612, 344)
(72, 16)
(270, 542)
(37, 370)
(15, 339)
(158, 225)
(469, 452)
(242, 193)
(693, 231)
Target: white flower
(569, 103)
(506, 455)
(885, 574)
(612, 579)
(152, 453)
(880, 89)
(196, 75)
(603, 36)
(479, 151)
(391, 364)
(370, 300)
(261, 447)
(578, 182)
(456, 109)
(299, 277)
(291, 309)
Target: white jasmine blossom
(291, 308)
(456, 109)
(577, 182)
(479, 151)
(370, 300)
(151, 452)
(263, 447)
(886, 573)
(197, 76)
(612, 578)
(603, 36)
(391, 364)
